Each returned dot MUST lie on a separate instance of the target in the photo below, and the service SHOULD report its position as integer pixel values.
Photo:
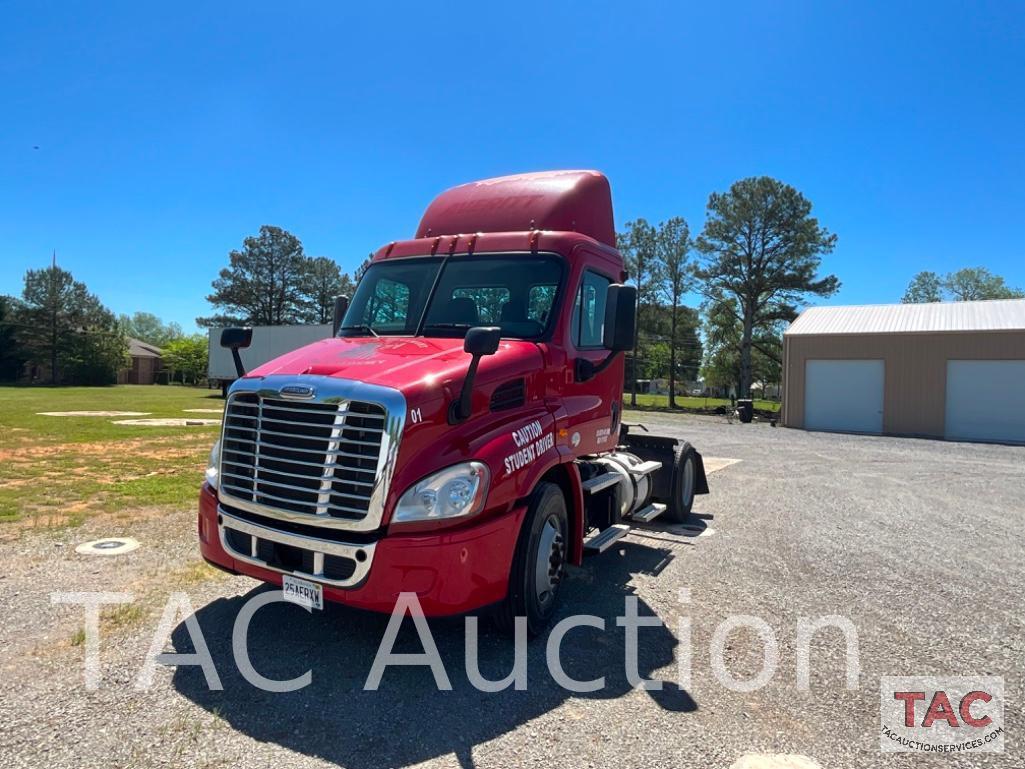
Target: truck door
(592, 407)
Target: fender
(567, 475)
(575, 498)
(518, 456)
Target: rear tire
(538, 565)
(685, 473)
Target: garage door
(844, 395)
(984, 400)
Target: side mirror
(620, 318)
(482, 340)
(618, 334)
(341, 305)
(235, 339)
(479, 341)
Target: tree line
(755, 260)
(57, 332)
(757, 255)
(965, 285)
(271, 281)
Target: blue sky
(168, 132)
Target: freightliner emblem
(297, 391)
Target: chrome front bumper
(318, 550)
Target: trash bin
(745, 409)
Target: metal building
(948, 370)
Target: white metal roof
(994, 315)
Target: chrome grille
(305, 458)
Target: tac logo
(942, 714)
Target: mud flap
(663, 449)
(700, 479)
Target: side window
(588, 323)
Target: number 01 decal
(415, 416)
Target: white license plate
(302, 592)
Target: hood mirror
(478, 342)
(236, 339)
(482, 340)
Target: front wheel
(538, 563)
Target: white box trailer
(268, 343)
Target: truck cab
(460, 436)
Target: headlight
(212, 464)
(455, 492)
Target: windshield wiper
(359, 327)
(448, 325)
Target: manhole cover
(175, 422)
(108, 546)
(93, 413)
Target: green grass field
(57, 471)
(646, 401)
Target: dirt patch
(168, 422)
(93, 413)
(103, 448)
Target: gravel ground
(917, 543)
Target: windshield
(445, 297)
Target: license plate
(302, 592)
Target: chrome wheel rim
(550, 561)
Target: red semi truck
(460, 437)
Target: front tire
(538, 564)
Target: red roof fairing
(566, 201)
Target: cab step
(600, 482)
(645, 468)
(603, 540)
(649, 513)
